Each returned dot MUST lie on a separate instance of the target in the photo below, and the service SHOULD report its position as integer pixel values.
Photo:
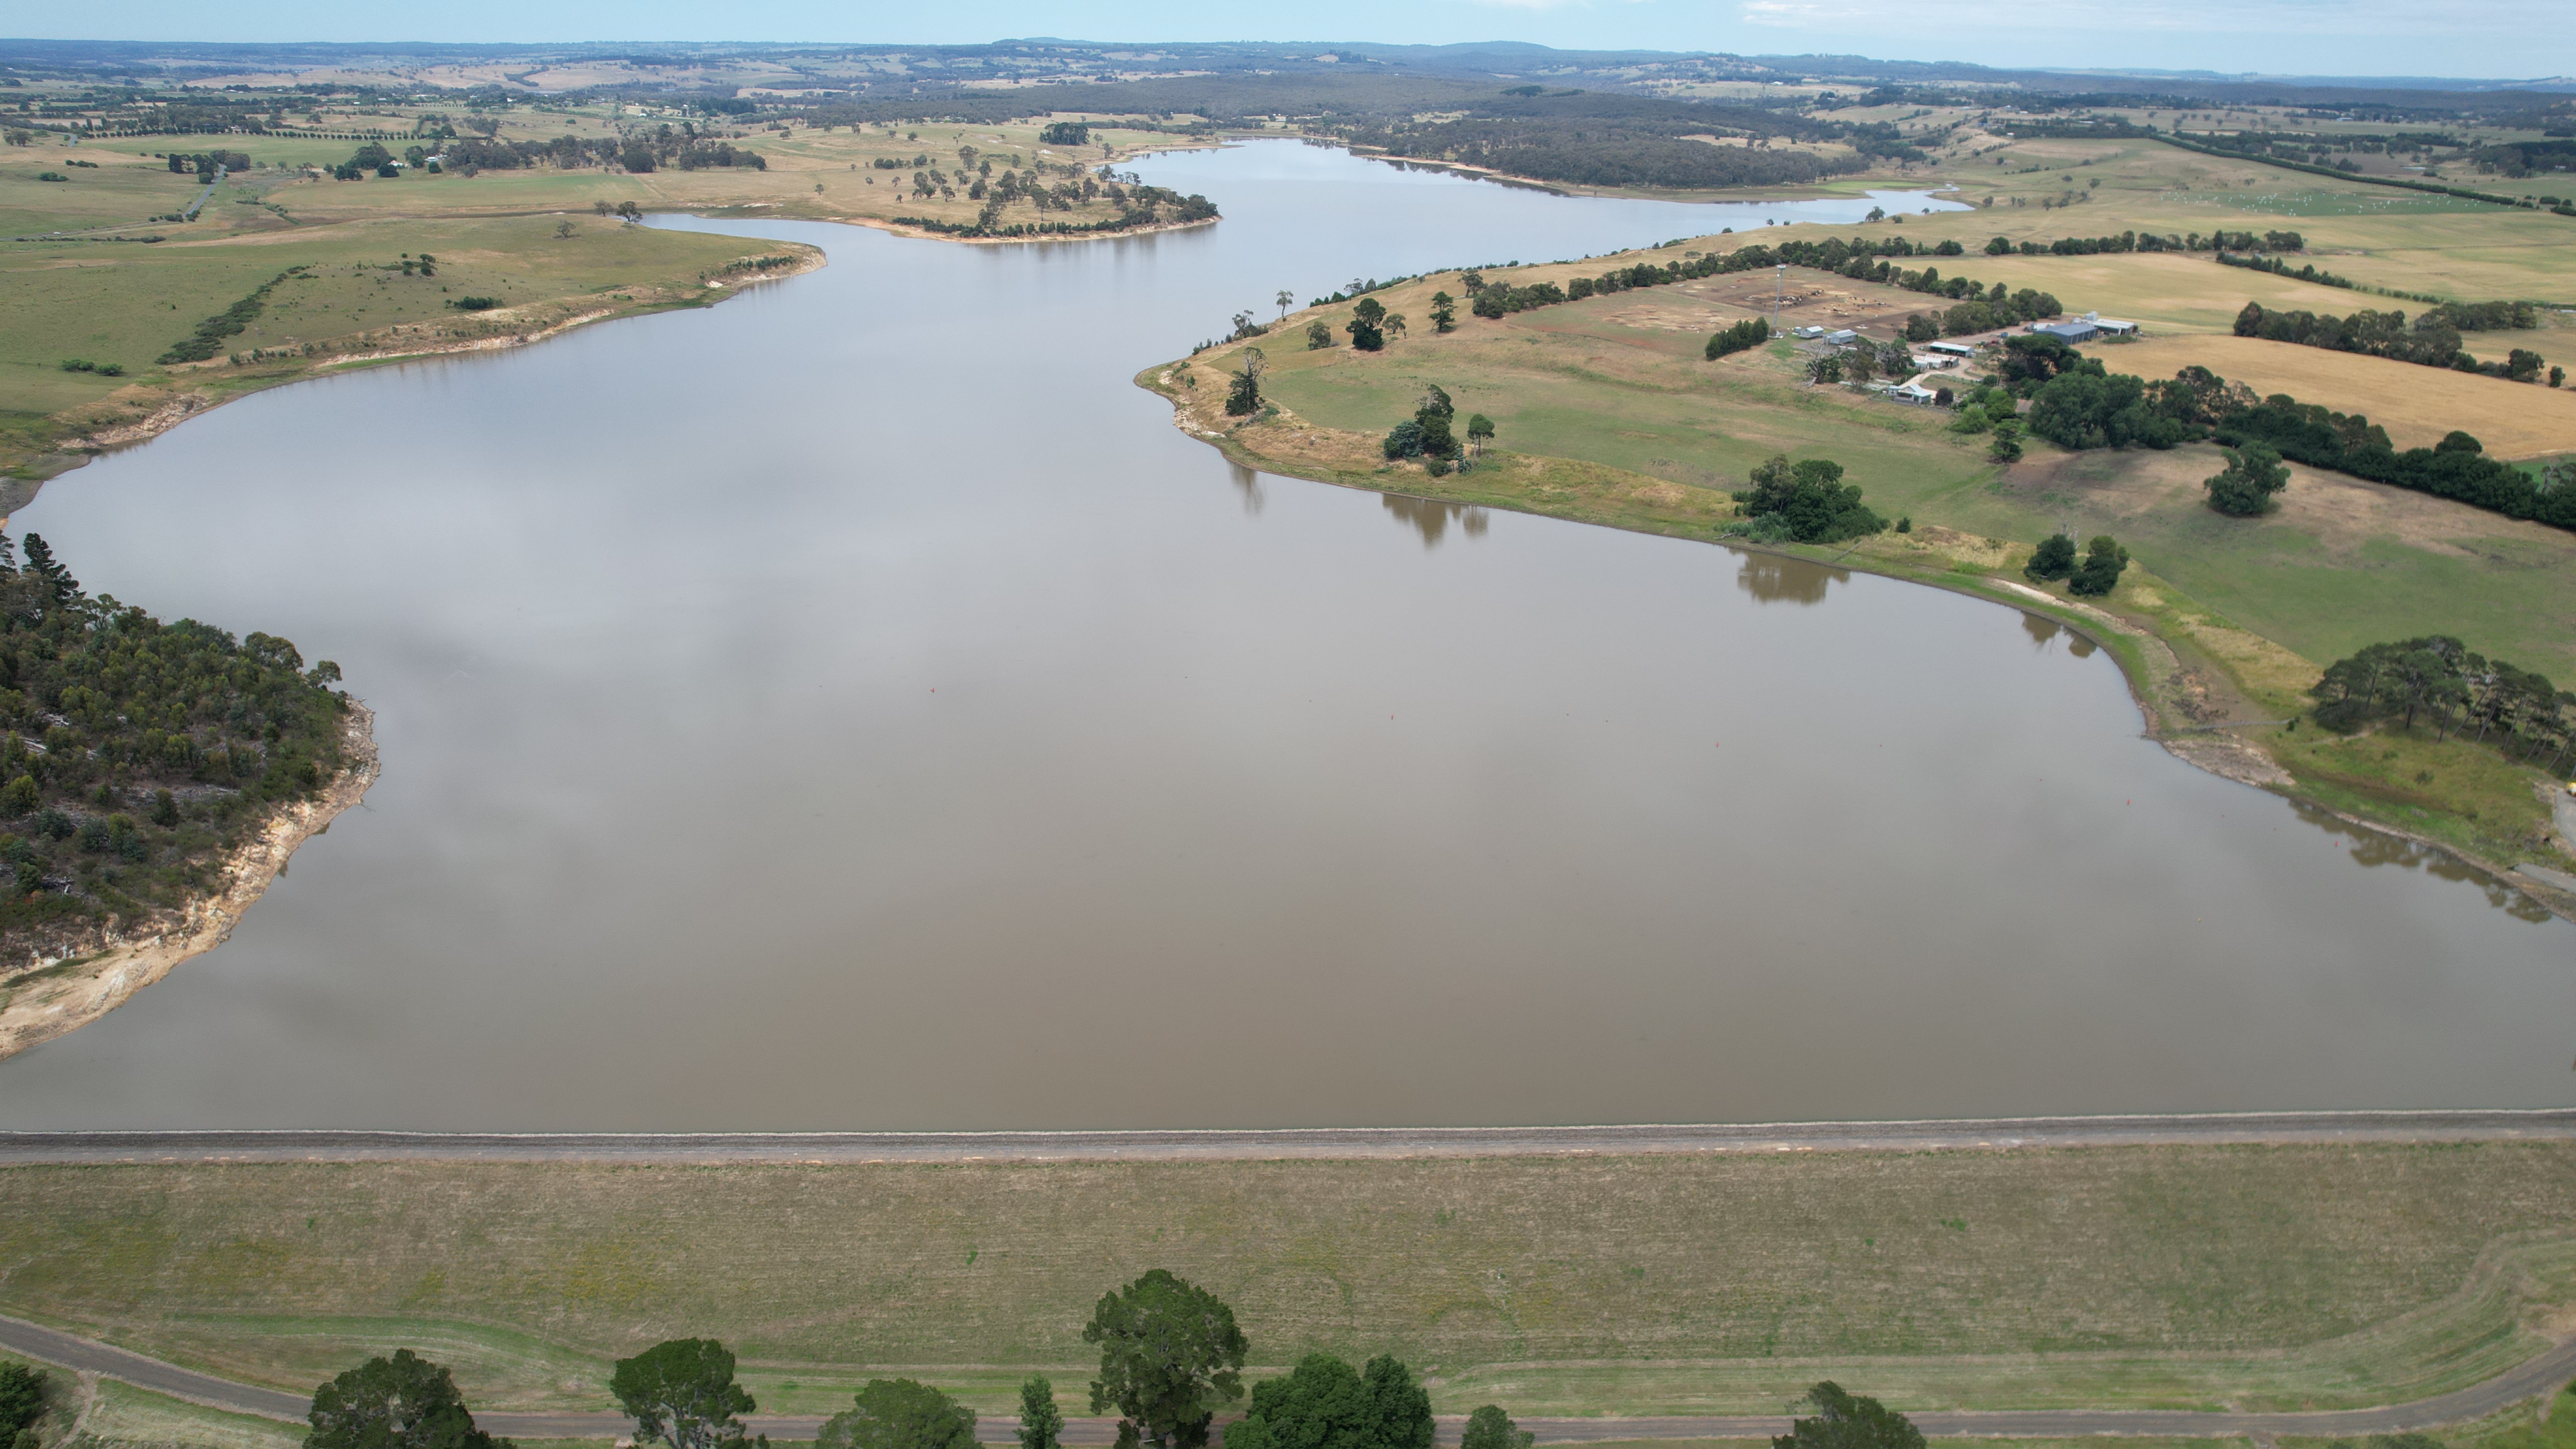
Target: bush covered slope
(136, 752)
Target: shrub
(2054, 560)
(2100, 571)
(2246, 488)
(1739, 338)
(1810, 499)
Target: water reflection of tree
(1775, 579)
(1431, 518)
(2371, 848)
(2044, 631)
(1248, 483)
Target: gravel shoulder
(2541, 1375)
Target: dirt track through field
(2541, 1375)
(30, 1148)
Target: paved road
(2541, 1375)
(20, 1148)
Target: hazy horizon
(2327, 39)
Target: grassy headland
(100, 275)
(2255, 1276)
(1608, 412)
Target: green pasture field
(1618, 381)
(105, 295)
(121, 190)
(2378, 236)
(128, 303)
(2341, 1275)
(2356, 564)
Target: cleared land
(104, 294)
(1618, 381)
(2304, 1276)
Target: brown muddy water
(857, 707)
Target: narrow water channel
(856, 707)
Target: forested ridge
(1602, 140)
(134, 753)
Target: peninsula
(154, 778)
(1918, 358)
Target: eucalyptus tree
(1170, 1357)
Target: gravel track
(2541, 1375)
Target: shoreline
(188, 401)
(1679, 196)
(914, 233)
(2212, 750)
(61, 997)
(1282, 1144)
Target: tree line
(2437, 680)
(2147, 241)
(2455, 468)
(2433, 340)
(130, 749)
(2305, 272)
(2079, 404)
(666, 147)
(203, 163)
(1171, 1359)
(208, 339)
(2272, 150)
(1858, 260)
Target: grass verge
(2183, 1277)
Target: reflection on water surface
(1773, 578)
(2046, 632)
(1431, 518)
(763, 768)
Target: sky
(2519, 39)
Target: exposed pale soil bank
(114, 961)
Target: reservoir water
(855, 706)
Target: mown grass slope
(2171, 1275)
